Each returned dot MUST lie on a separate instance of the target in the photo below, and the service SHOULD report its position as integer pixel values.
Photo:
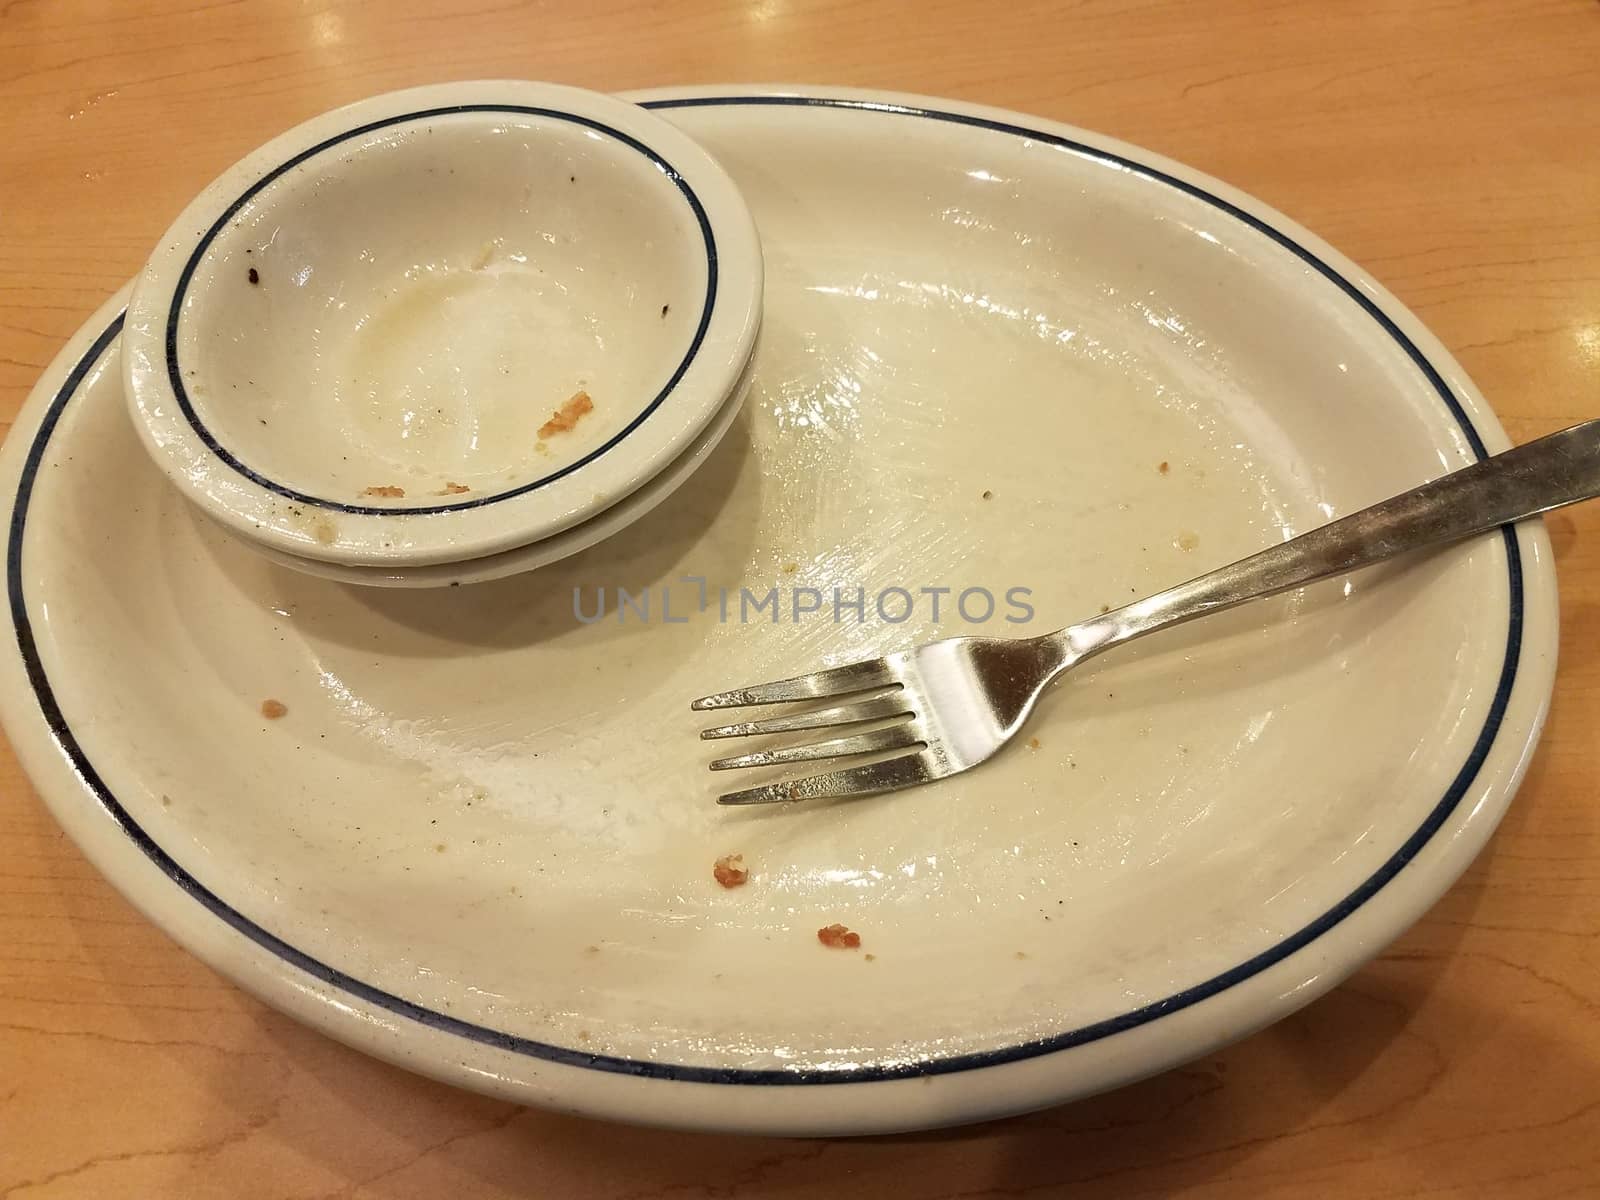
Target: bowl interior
(402, 314)
(557, 546)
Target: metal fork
(946, 706)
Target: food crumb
(273, 709)
(1164, 467)
(438, 847)
(665, 308)
(1021, 954)
(255, 275)
(729, 870)
(1105, 608)
(789, 568)
(987, 494)
(838, 937)
(385, 489)
(540, 448)
(583, 1035)
(166, 800)
(1187, 540)
(1033, 743)
(566, 418)
(452, 489)
(870, 957)
(591, 949)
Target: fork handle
(1557, 470)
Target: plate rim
(36, 422)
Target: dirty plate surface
(1001, 357)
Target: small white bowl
(352, 345)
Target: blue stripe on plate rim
(174, 312)
(513, 1043)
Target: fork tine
(895, 704)
(865, 676)
(887, 776)
(896, 737)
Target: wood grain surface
(1450, 146)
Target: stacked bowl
(447, 334)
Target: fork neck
(1066, 648)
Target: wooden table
(1451, 148)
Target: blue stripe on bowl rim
(532, 1048)
(175, 310)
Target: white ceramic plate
(480, 841)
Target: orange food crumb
(1033, 743)
(729, 870)
(1164, 468)
(384, 489)
(452, 489)
(273, 709)
(839, 938)
(566, 418)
